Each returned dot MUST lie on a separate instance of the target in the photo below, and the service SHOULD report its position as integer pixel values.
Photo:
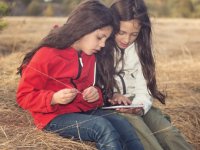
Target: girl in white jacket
(135, 78)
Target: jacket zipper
(123, 84)
(80, 66)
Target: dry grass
(178, 70)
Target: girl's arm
(31, 93)
(140, 91)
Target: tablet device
(123, 106)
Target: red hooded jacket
(49, 71)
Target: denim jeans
(107, 129)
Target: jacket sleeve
(140, 91)
(31, 94)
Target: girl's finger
(93, 100)
(91, 94)
(85, 92)
(112, 102)
(93, 97)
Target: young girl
(135, 76)
(58, 78)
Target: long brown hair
(106, 70)
(125, 10)
(86, 18)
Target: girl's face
(129, 31)
(94, 41)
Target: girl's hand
(64, 96)
(119, 99)
(90, 94)
(135, 111)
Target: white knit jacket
(135, 84)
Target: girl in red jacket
(58, 82)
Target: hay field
(176, 45)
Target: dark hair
(125, 10)
(86, 18)
(106, 70)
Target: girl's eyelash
(99, 38)
(121, 33)
(135, 34)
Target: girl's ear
(76, 44)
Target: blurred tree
(197, 11)
(3, 8)
(34, 8)
(26, 2)
(69, 5)
(196, 4)
(181, 8)
(58, 1)
(172, 8)
(157, 8)
(49, 11)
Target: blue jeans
(106, 128)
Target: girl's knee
(105, 131)
(104, 125)
(120, 119)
